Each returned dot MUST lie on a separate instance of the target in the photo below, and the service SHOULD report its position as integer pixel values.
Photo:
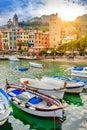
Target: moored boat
(50, 87)
(14, 58)
(22, 69)
(77, 71)
(34, 102)
(36, 65)
(71, 85)
(5, 109)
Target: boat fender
(65, 84)
(16, 100)
(22, 105)
(33, 108)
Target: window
(10, 38)
(14, 38)
(14, 33)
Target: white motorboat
(13, 58)
(46, 85)
(36, 65)
(34, 102)
(5, 109)
(77, 71)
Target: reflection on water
(73, 99)
(75, 106)
(6, 126)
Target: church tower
(15, 20)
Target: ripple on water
(17, 124)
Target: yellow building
(5, 39)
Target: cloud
(26, 9)
(79, 2)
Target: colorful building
(5, 39)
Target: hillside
(43, 23)
(81, 24)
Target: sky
(67, 10)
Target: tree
(19, 45)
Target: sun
(70, 12)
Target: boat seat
(78, 69)
(15, 92)
(35, 100)
(42, 104)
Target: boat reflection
(73, 99)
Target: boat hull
(50, 114)
(74, 89)
(36, 65)
(4, 117)
(13, 58)
(59, 94)
(72, 86)
(78, 73)
(5, 109)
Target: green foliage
(53, 51)
(43, 52)
(77, 45)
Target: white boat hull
(78, 73)
(51, 90)
(13, 58)
(57, 113)
(4, 107)
(4, 117)
(59, 94)
(74, 90)
(36, 65)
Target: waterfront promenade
(79, 59)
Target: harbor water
(75, 106)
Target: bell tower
(15, 20)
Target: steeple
(15, 20)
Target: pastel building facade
(38, 41)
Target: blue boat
(22, 69)
(5, 109)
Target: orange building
(22, 37)
(41, 40)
